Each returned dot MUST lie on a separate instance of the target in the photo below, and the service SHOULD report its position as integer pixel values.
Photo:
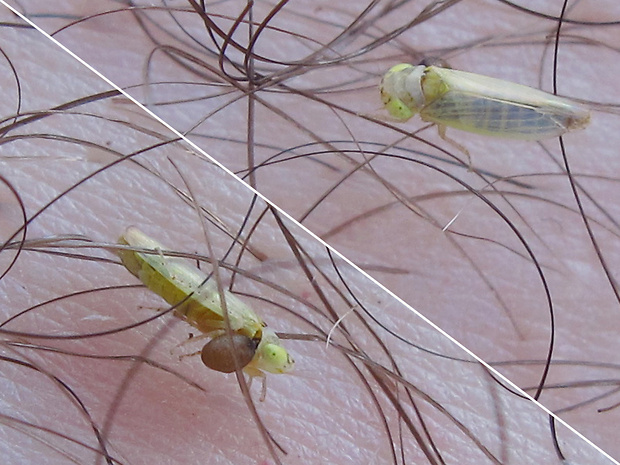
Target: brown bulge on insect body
(220, 353)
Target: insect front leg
(253, 373)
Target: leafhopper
(478, 104)
(250, 344)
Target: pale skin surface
(444, 300)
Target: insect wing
(179, 283)
(494, 107)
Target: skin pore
(322, 413)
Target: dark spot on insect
(435, 61)
(220, 353)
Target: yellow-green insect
(478, 104)
(255, 347)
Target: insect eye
(220, 353)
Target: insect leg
(442, 133)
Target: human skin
(458, 302)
